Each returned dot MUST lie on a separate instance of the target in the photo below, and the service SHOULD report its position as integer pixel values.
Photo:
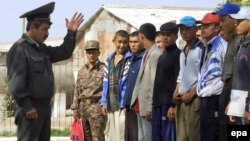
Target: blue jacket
(122, 82)
(134, 68)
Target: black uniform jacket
(30, 76)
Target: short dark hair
(133, 34)
(121, 33)
(36, 24)
(158, 33)
(148, 30)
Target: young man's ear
(217, 29)
(114, 39)
(176, 36)
(141, 36)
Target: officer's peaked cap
(41, 13)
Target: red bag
(77, 133)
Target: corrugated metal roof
(5, 47)
(138, 15)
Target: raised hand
(75, 22)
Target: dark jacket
(30, 75)
(232, 48)
(166, 76)
(241, 74)
(134, 68)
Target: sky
(11, 26)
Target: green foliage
(240, 2)
(7, 134)
(59, 132)
(8, 102)
(54, 132)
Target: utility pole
(223, 2)
(23, 25)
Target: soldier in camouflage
(88, 93)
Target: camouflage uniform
(86, 100)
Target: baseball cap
(169, 27)
(209, 18)
(91, 44)
(244, 13)
(188, 21)
(228, 8)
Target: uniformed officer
(30, 74)
(88, 93)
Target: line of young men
(147, 93)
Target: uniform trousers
(93, 121)
(31, 130)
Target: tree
(240, 2)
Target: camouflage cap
(91, 44)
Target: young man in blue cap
(187, 104)
(30, 74)
(163, 127)
(228, 32)
(241, 73)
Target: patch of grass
(54, 132)
(60, 132)
(7, 134)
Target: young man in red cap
(228, 32)
(30, 74)
(209, 84)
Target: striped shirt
(212, 59)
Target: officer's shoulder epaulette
(20, 41)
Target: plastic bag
(77, 133)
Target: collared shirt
(189, 64)
(209, 80)
(122, 82)
(32, 40)
(114, 75)
(232, 49)
(89, 83)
